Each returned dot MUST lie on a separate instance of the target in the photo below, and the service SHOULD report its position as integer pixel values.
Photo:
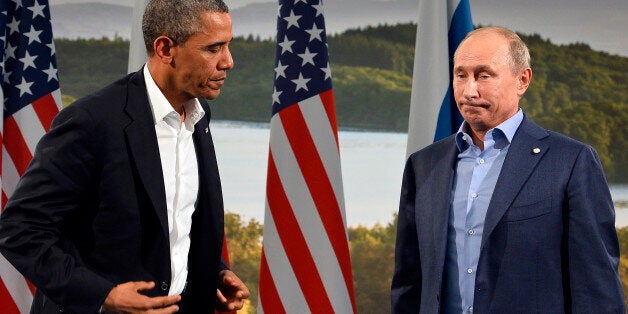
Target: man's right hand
(125, 298)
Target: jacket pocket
(529, 211)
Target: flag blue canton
(28, 67)
(301, 58)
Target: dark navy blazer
(549, 242)
(90, 211)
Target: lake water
(372, 167)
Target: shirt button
(470, 309)
(471, 231)
(481, 161)
(469, 270)
(474, 195)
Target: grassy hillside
(575, 90)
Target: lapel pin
(536, 150)
(206, 130)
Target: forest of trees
(372, 260)
(575, 90)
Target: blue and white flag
(433, 114)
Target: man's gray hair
(176, 19)
(519, 52)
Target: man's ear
(164, 49)
(525, 77)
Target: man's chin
(211, 95)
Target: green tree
(244, 240)
(372, 260)
(622, 234)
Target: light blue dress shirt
(474, 182)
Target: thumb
(221, 298)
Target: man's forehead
(482, 51)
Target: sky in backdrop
(601, 23)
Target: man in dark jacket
(121, 207)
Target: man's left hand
(231, 292)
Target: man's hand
(231, 292)
(125, 298)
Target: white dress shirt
(180, 171)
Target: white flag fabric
(433, 114)
(137, 49)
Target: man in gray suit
(504, 216)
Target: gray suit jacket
(549, 242)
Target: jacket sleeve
(592, 245)
(406, 281)
(40, 229)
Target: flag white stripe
(309, 221)
(10, 176)
(260, 306)
(16, 285)
(30, 126)
(430, 79)
(284, 279)
(323, 136)
(57, 97)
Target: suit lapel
(442, 204)
(526, 150)
(435, 197)
(143, 145)
(210, 203)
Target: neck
(164, 81)
(477, 135)
(478, 138)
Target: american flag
(31, 98)
(305, 266)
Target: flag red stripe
(319, 185)
(5, 199)
(16, 146)
(225, 250)
(295, 246)
(328, 103)
(31, 286)
(7, 305)
(268, 291)
(46, 109)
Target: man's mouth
(476, 105)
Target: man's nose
(226, 62)
(471, 89)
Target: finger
(228, 279)
(163, 302)
(143, 285)
(220, 297)
(166, 310)
(235, 305)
